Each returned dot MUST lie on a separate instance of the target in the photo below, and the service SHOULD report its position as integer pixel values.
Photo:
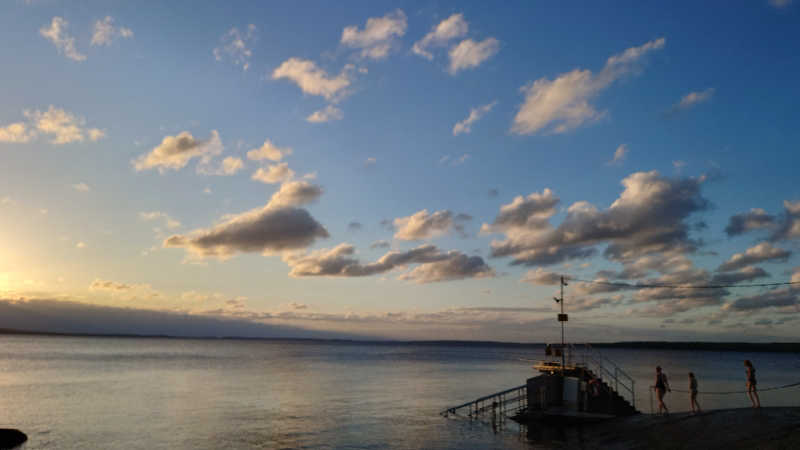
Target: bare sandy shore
(765, 428)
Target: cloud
(175, 152)
(16, 133)
(754, 219)
(693, 98)
(275, 173)
(267, 230)
(780, 4)
(378, 35)
(776, 298)
(451, 28)
(475, 114)
(541, 277)
(231, 165)
(369, 162)
(434, 265)
(107, 285)
(649, 216)
(493, 192)
(268, 151)
(355, 226)
(228, 166)
(469, 54)
(326, 114)
(562, 104)
(619, 155)
(379, 244)
(104, 32)
(422, 225)
(457, 266)
(532, 211)
(785, 226)
(62, 125)
(237, 46)
(311, 79)
(295, 193)
(754, 255)
(453, 161)
(81, 187)
(788, 226)
(59, 316)
(747, 273)
(80, 244)
(155, 215)
(57, 34)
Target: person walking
(693, 393)
(752, 392)
(661, 387)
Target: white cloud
(81, 187)
(236, 45)
(690, 100)
(619, 155)
(62, 125)
(231, 165)
(57, 34)
(562, 104)
(104, 32)
(469, 54)
(378, 35)
(326, 114)
(268, 151)
(780, 4)
(16, 133)
(649, 216)
(370, 162)
(434, 265)
(453, 27)
(275, 173)
(295, 193)
(454, 161)
(422, 225)
(694, 98)
(155, 215)
(80, 244)
(95, 134)
(265, 230)
(228, 166)
(175, 152)
(311, 79)
(753, 255)
(475, 114)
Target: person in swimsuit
(693, 393)
(662, 387)
(751, 383)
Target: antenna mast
(563, 319)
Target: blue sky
(405, 169)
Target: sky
(401, 170)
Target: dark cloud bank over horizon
(58, 316)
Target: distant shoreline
(776, 347)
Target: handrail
(619, 376)
(498, 401)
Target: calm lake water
(131, 393)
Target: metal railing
(500, 404)
(609, 371)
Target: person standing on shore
(751, 383)
(662, 387)
(693, 393)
